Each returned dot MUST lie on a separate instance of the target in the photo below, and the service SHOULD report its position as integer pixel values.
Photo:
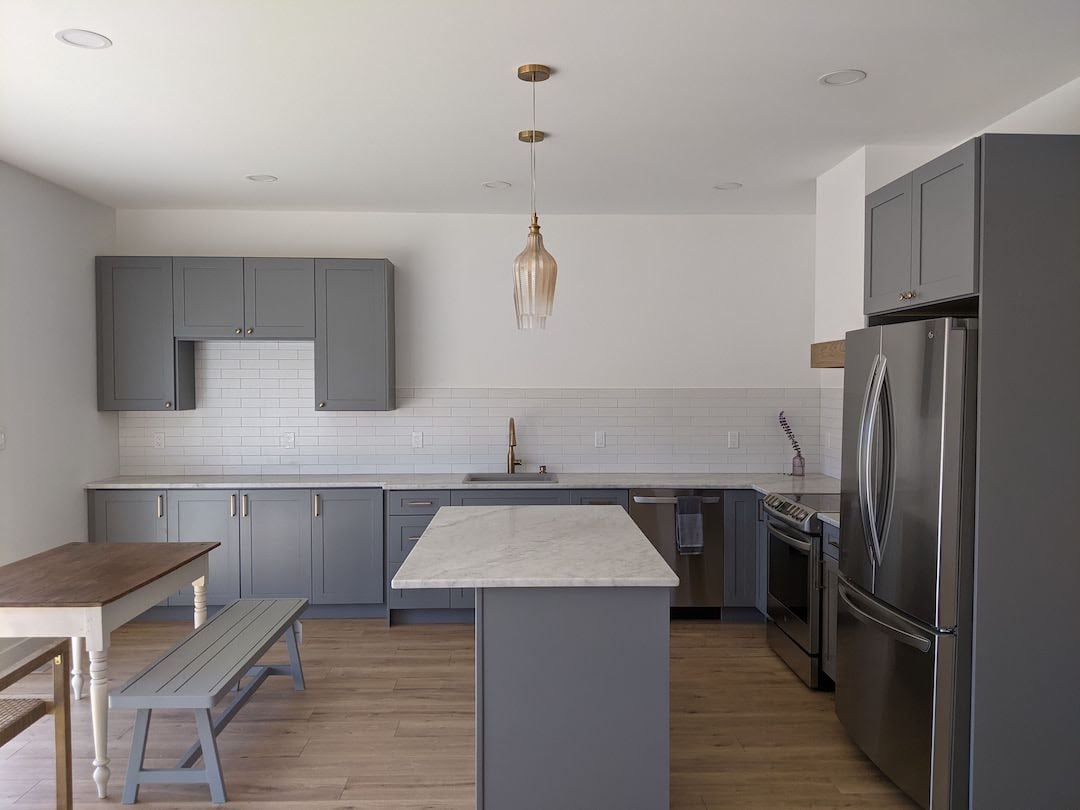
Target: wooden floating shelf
(829, 354)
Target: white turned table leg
(99, 712)
(76, 667)
(200, 601)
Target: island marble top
(533, 547)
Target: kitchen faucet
(511, 461)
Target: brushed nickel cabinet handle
(316, 504)
(168, 404)
(244, 504)
(903, 296)
(322, 404)
(161, 506)
(419, 503)
(232, 506)
(251, 331)
(413, 539)
(239, 331)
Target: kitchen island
(571, 651)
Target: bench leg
(292, 641)
(137, 756)
(62, 733)
(211, 760)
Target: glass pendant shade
(534, 281)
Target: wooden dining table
(85, 591)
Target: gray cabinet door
(279, 299)
(204, 516)
(762, 601)
(402, 534)
(510, 497)
(413, 597)
(740, 548)
(829, 603)
(137, 360)
(600, 497)
(354, 335)
(945, 225)
(347, 547)
(887, 266)
(129, 516)
(208, 297)
(275, 543)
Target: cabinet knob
(251, 330)
(322, 404)
(168, 404)
(903, 296)
(239, 331)
(911, 294)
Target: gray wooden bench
(197, 674)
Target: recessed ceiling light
(838, 78)
(81, 38)
(730, 185)
(495, 185)
(261, 178)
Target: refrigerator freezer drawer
(896, 694)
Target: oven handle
(794, 542)
(667, 500)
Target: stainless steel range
(795, 572)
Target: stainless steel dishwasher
(701, 576)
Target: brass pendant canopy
(535, 270)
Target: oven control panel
(794, 513)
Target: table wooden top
(91, 574)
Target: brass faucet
(511, 461)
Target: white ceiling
(407, 105)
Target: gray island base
(571, 652)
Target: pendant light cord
(532, 147)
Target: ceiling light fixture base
(534, 73)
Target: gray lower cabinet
(402, 533)
(762, 601)
(601, 497)
(510, 497)
(209, 515)
(129, 516)
(140, 366)
(347, 547)
(279, 299)
(354, 335)
(208, 297)
(829, 602)
(275, 543)
(740, 548)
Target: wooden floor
(387, 722)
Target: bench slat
(201, 669)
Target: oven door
(794, 579)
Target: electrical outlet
(288, 440)
(599, 439)
(159, 439)
(732, 439)
(3, 438)
(417, 439)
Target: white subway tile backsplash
(249, 394)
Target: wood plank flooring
(387, 722)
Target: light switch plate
(732, 439)
(417, 439)
(3, 438)
(599, 439)
(288, 440)
(159, 439)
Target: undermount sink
(522, 478)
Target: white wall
(642, 301)
(56, 439)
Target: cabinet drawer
(510, 497)
(417, 501)
(414, 597)
(600, 497)
(402, 532)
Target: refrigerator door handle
(863, 458)
(920, 643)
(872, 423)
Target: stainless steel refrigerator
(906, 570)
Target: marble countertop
(832, 518)
(533, 547)
(762, 482)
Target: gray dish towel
(689, 531)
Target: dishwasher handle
(668, 499)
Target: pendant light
(534, 268)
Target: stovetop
(801, 511)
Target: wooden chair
(18, 658)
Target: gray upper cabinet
(203, 516)
(354, 335)
(275, 543)
(347, 546)
(887, 269)
(740, 548)
(140, 366)
(945, 225)
(922, 234)
(208, 297)
(279, 299)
